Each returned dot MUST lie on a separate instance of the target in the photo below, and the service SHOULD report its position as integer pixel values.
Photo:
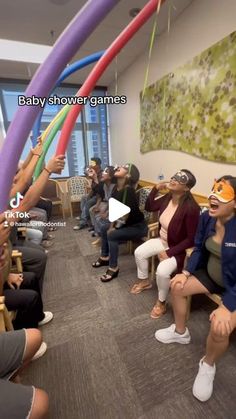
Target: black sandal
(100, 262)
(109, 275)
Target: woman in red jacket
(178, 220)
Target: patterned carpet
(103, 361)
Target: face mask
(181, 177)
(222, 191)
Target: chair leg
(62, 211)
(19, 265)
(130, 247)
(5, 321)
(189, 300)
(152, 268)
(71, 210)
(2, 322)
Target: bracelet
(47, 171)
(186, 274)
(35, 154)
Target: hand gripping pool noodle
(41, 85)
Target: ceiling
(35, 20)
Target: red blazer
(182, 228)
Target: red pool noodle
(100, 67)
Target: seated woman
(131, 227)
(179, 216)
(22, 294)
(99, 212)
(93, 173)
(17, 349)
(210, 269)
(26, 301)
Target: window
(90, 135)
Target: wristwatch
(186, 273)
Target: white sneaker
(169, 335)
(77, 218)
(203, 384)
(40, 352)
(48, 316)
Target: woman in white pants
(178, 220)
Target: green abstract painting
(193, 110)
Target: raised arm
(24, 177)
(55, 165)
(153, 202)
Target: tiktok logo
(15, 202)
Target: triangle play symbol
(117, 209)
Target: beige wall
(202, 24)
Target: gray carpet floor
(103, 361)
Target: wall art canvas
(193, 110)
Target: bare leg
(179, 300)
(40, 405)
(33, 342)
(217, 344)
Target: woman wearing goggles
(179, 215)
(210, 269)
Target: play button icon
(117, 210)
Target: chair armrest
(189, 251)
(17, 258)
(45, 199)
(2, 299)
(16, 254)
(22, 230)
(216, 298)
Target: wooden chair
(17, 261)
(76, 187)
(5, 317)
(55, 194)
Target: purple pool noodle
(42, 83)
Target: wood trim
(200, 198)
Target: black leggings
(26, 301)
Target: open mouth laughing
(214, 204)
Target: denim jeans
(85, 205)
(111, 240)
(96, 216)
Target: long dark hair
(187, 197)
